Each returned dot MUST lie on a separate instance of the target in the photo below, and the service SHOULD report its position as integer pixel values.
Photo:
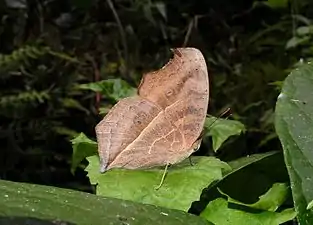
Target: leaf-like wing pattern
(161, 125)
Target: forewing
(177, 96)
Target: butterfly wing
(162, 124)
(181, 90)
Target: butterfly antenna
(227, 111)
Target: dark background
(41, 108)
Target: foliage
(49, 48)
(113, 89)
(219, 213)
(32, 107)
(250, 172)
(34, 204)
(221, 130)
(253, 172)
(52, 53)
(183, 183)
(83, 147)
(295, 129)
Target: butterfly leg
(190, 161)
(163, 177)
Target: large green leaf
(182, 185)
(35, 204)
(220, 212)
(82, 148)
(294, 125)
(221, 130)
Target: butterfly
(162, 124)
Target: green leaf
(104, 110)
(310, 205)
(114, 89)
(161, 7)
(65, 131)
(296, 41)
(259, 176)
(275, 4)
(253, 172)
(243, 162)
(64, 56)
(304, 30)
(35, 204)
(220, 212)
(74, 104)
(183, 183)
(270, 201)
(82, 4)
(82, 148)
(221, 130)
(294, 125)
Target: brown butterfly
(162, 124)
